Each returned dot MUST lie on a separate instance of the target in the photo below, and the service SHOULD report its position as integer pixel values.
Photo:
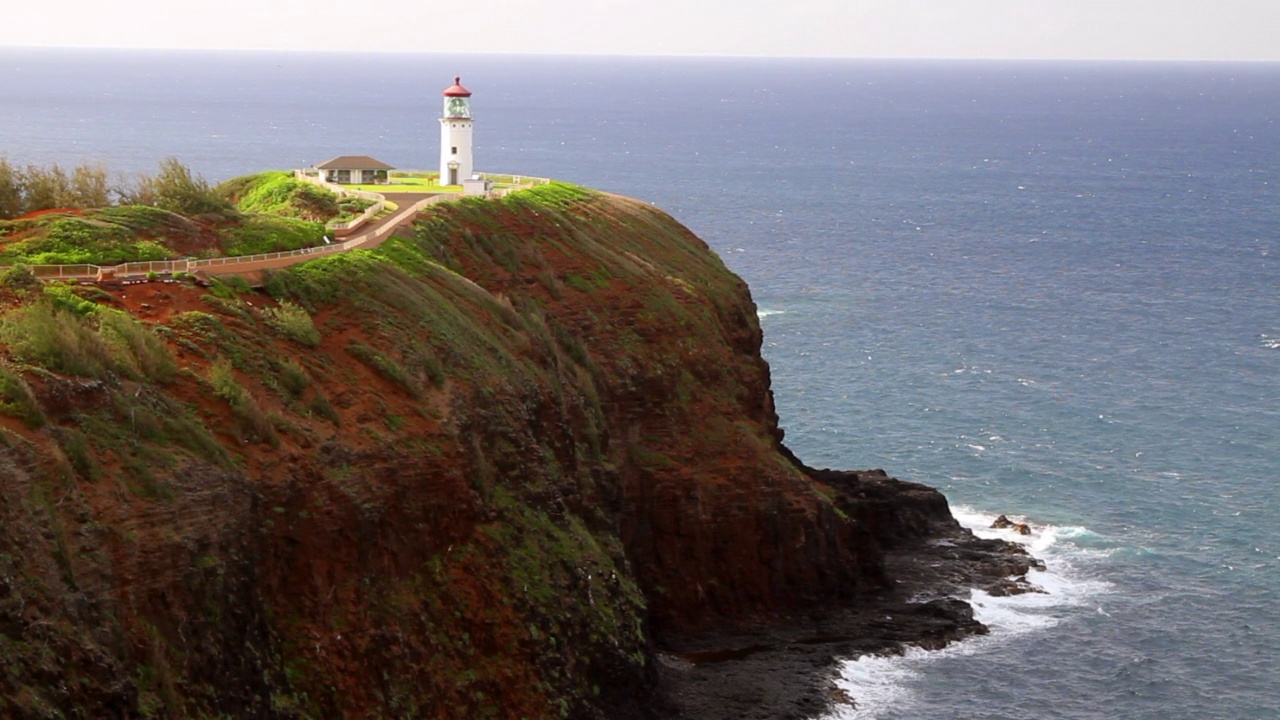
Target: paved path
(371, 236)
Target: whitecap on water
(766, 312)
(878, 684)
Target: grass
(294, 323)
(17, 400)
(402, 184)
(252, 425)
(267, 234)
(73, 240)
(278, 192)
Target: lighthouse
(455, 135)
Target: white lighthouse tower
(455, 135)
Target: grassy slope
(274, 212)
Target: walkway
(373, 236)
(409, 206)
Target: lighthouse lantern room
(455, 135)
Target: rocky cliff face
(516, 464)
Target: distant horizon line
(662, 56)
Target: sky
(1001, 29)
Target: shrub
(175, 189)
(266, 233)
(46, 335)
(19, 276)
(71, 240)
(294, 378)
(278, 192)
(65, 297)
(321, 406)
(294, 323)
(136, 346)
(25, 190)
(17, 400)
(76, 447)
(253, 423)
(384, 366)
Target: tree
(43, 188)
(11, 202)
(175, 189)
(89, 187)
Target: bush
(175, 189)
(253, 424)
(46, 335)
(59, 334)
(19, 276)
(384, 366)
(267, 233)
(294, 378)
(26, 190)
(136, 346)
(280, 193)
(73, 240)
(16, 400)
(293, 322)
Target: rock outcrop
(524, 462)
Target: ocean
(1051, 290)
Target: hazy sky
(1103, 29)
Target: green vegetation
(384, 366)
(350, 208)
(408, 182)
(278, 192)
(177, 190)
(32, 188)
(16, 399)
(294, 323)
(265, 234)
(69, 334)
(67, 240)
(252, 424)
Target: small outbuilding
(354, 170)
(477, 185)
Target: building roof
(353, 162)
(456, 89)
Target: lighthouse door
(453, 176)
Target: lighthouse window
(455, 149)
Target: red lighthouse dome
(456, 89)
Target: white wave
(1271, 343)
(880, 683)
(766, 312)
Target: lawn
(426, 182)
(416, 183)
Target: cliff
(520, 462)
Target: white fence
(86, 271)
(379, 201)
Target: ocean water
(1050, 289)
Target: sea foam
(878, 683)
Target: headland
(519, 459)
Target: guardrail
(379, 200)
(87, 271)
